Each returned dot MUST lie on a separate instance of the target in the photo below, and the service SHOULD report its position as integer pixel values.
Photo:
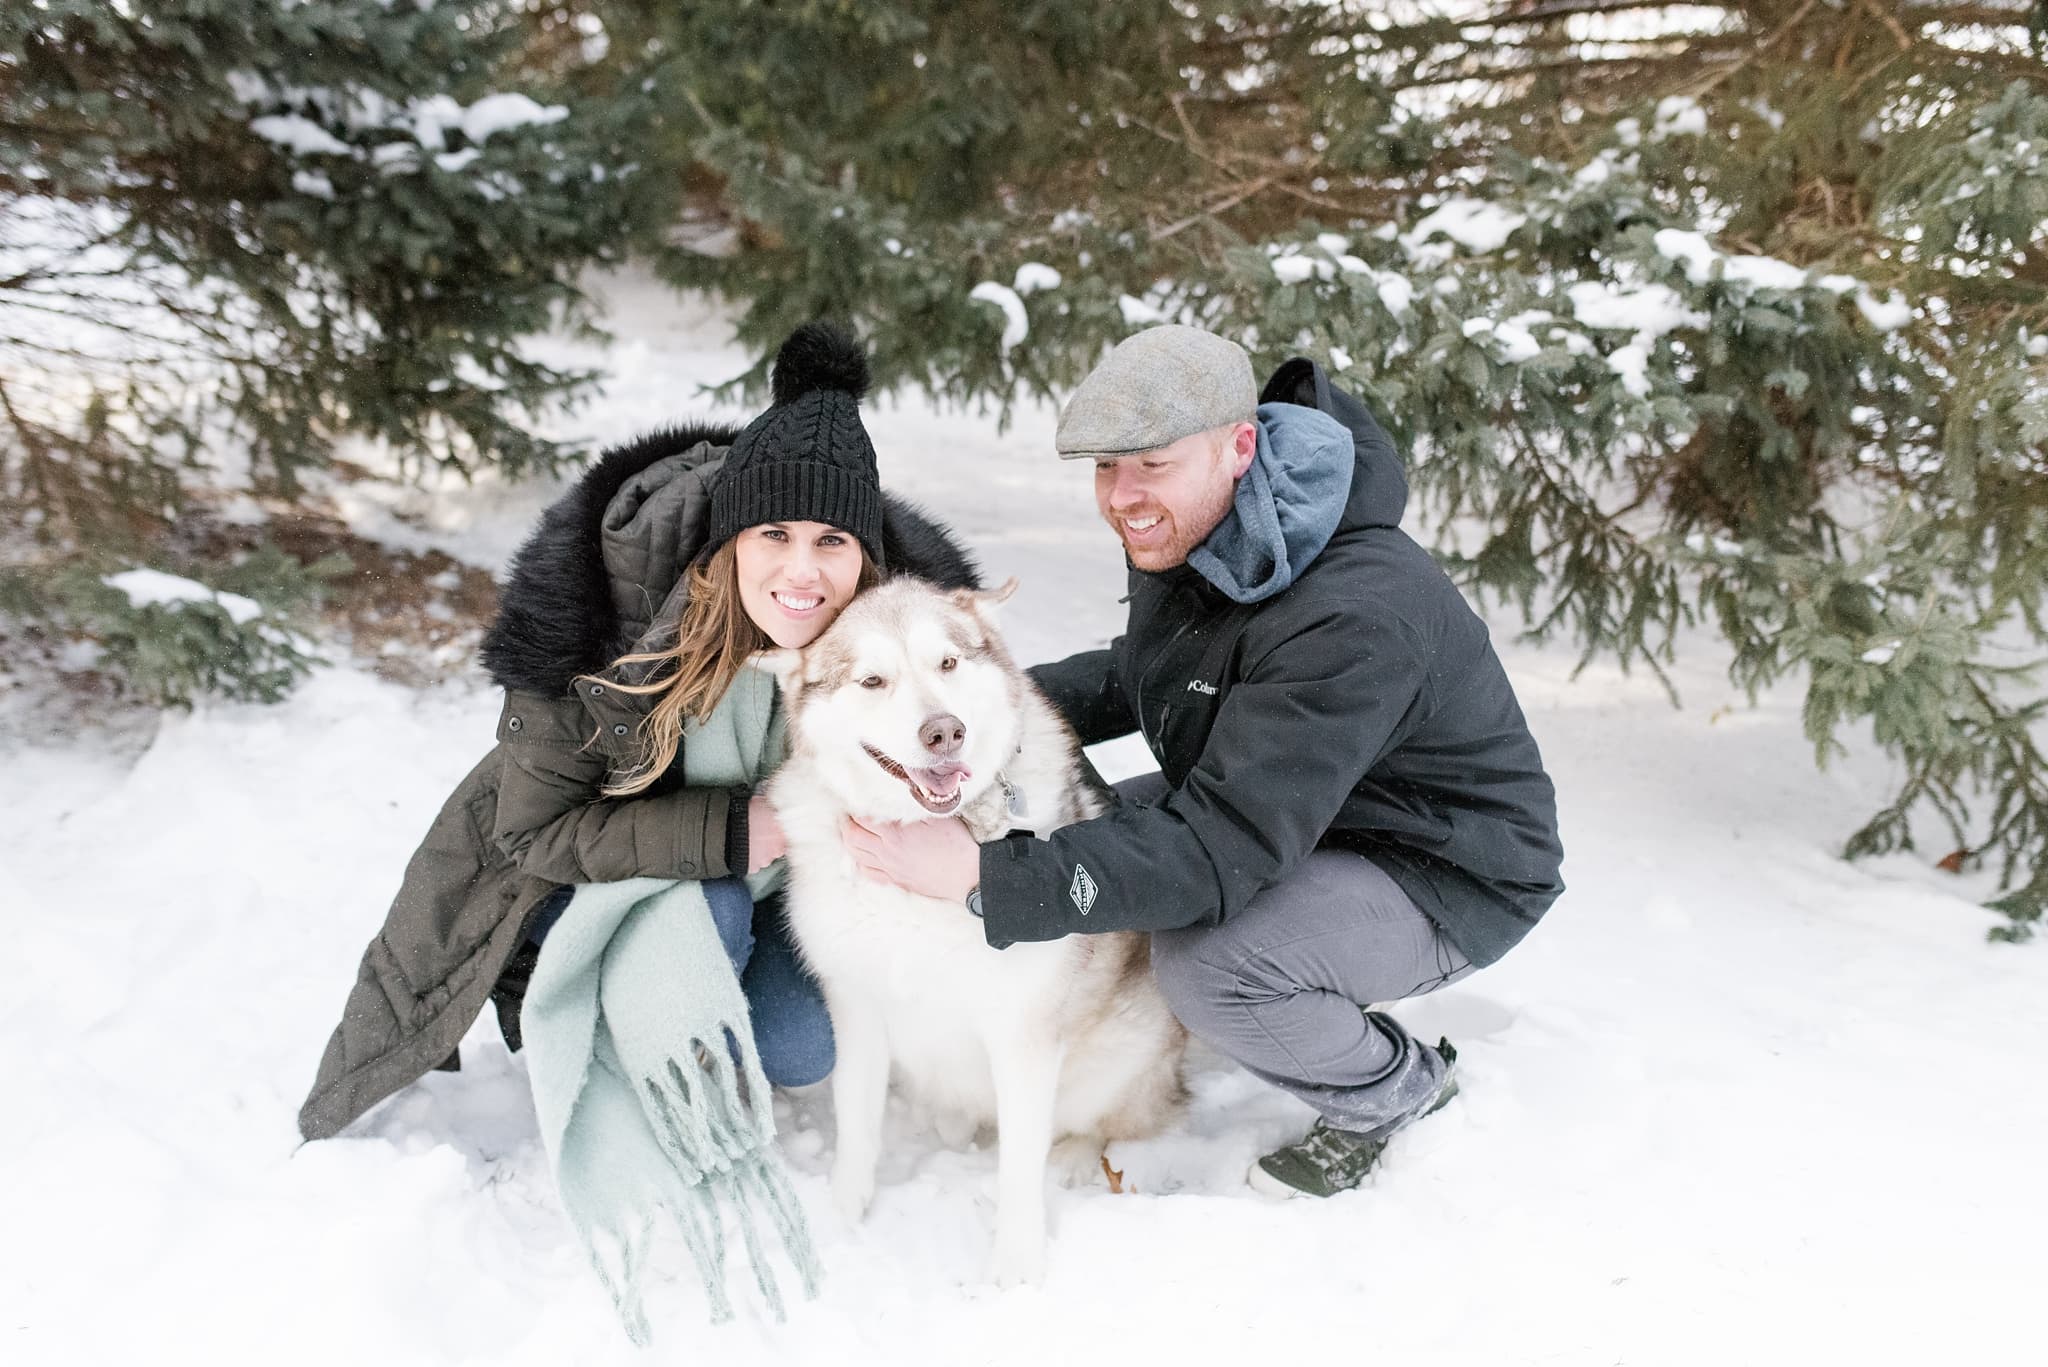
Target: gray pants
(1280, 986)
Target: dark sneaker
(1328, 1160)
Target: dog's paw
(853, 1190)
(1017, 1262)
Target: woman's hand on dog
(933, 858)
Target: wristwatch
(974, 900)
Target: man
(1349, 809)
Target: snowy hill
(1735, 1101)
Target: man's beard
(1183, 535)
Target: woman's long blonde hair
(714, 638)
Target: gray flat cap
(1154, 388)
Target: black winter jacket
(1360, 708)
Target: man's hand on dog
(765, 841)
(935, 858)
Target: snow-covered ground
(1735, 1101)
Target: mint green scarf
(641, 1056)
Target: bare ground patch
(412, 617)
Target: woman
(625, 623)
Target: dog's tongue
(943, 779)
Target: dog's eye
(950, 662)
(873, 681)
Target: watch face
(974, 901)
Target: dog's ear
(982, 602)
(786, 665)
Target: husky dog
(909, 708)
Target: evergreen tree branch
(1753, 55)
(39, 486)
(1890, 21)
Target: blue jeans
(792, 1032)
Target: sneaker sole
(1266, 1184)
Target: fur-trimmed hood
(599, 569)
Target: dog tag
(1013, 798)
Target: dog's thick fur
(1065, 1041)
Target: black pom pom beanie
(807, 459)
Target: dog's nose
(943, 734)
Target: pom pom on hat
(820, 356)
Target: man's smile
(1142, 529)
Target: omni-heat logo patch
(1082, 889)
